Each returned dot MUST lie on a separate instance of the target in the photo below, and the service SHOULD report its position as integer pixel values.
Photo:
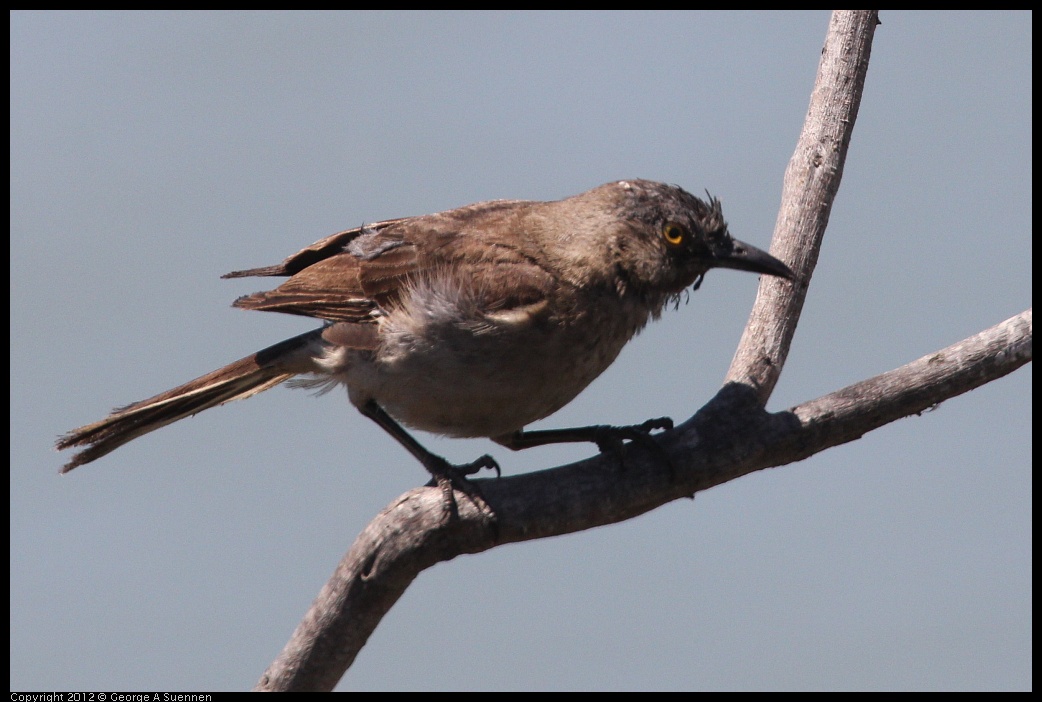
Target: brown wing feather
(324, 248)
(330, 289)
(346, 277)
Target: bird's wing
(349, 276)
(320, 250)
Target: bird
(471, 322)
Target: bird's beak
(746, 257)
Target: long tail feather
(238, 380)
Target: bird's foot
(449, 477)
(611, 439)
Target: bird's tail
(243, 378)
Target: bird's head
(668, 239)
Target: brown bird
(472, 322)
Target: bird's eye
(673, 234)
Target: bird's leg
(443, 474)
(607, 437)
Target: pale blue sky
(152, 152)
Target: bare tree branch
(850, 413)
(731, 436)
(809, 188)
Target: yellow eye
(673, 234)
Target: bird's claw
(449, 477)
(612, 439)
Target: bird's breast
(457, 366)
